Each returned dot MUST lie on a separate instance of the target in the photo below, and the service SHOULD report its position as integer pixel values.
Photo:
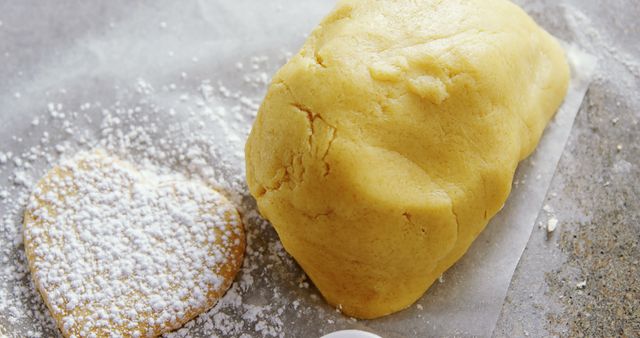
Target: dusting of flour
(170, 127)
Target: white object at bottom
(350, 334)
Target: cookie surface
(115, 251)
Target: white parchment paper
(157, 57)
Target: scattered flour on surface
(195, 128)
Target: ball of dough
(118, 252)
(383, 147)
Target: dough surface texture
(121, 252)
(384, 147)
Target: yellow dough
(383, 148)
(120, 252)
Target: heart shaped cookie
(116, 251)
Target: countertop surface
(581, 279)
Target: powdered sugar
(200, 137)
(118, 250)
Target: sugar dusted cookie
(118, 252)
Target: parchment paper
(132, 58)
